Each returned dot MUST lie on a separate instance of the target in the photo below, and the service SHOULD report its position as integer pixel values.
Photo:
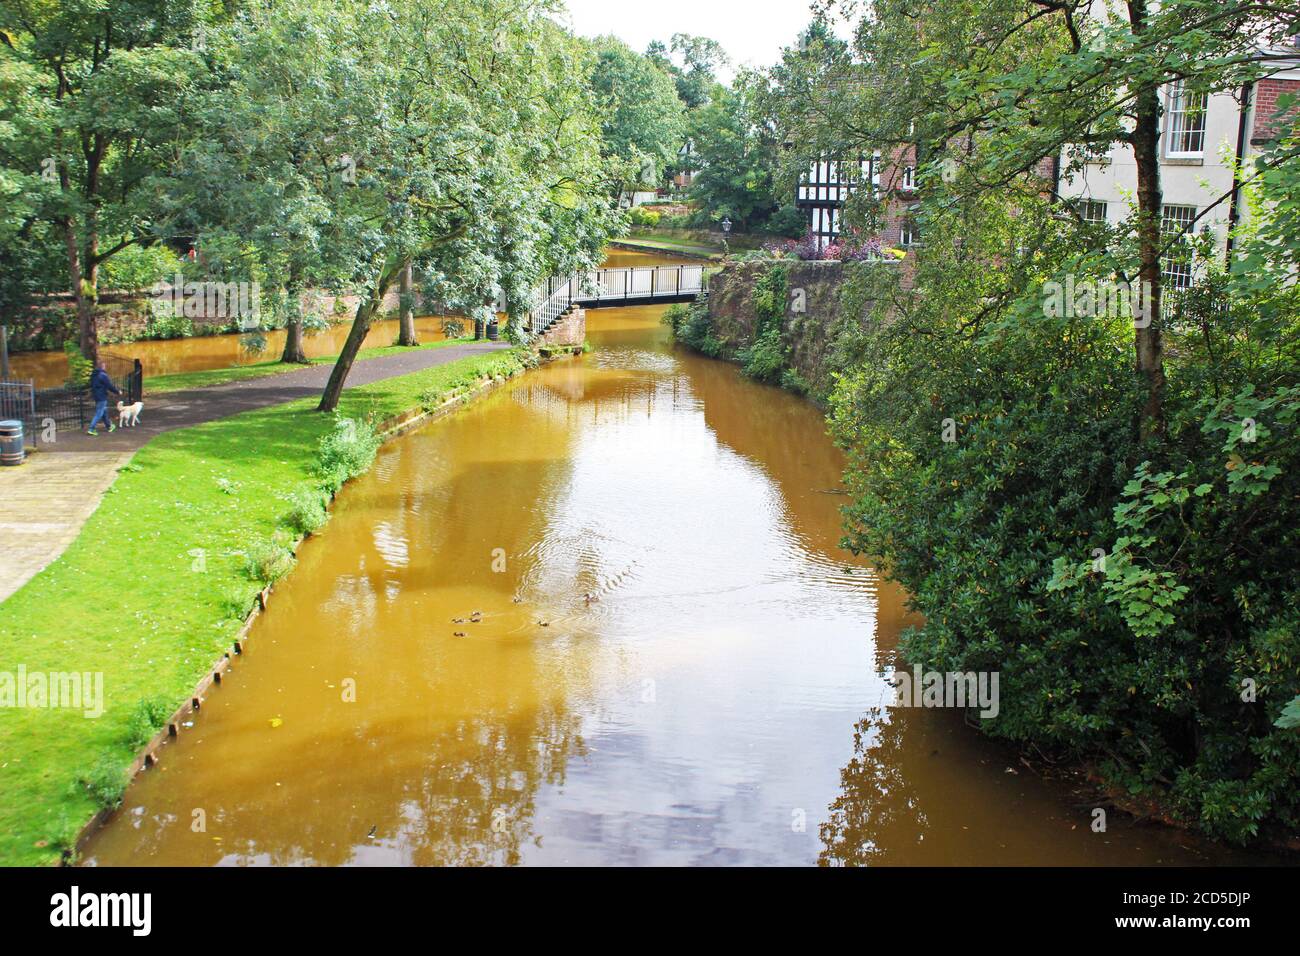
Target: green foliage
(738, 156)
(106, 782)
(117, 80)
(792, 381)
(642, 121)
(640, 216)
(147, 718)
(79, 367)
(137, 267)
(1290, 717)
(765, 358)
(346, 452)
(168, 325)
(693, 327)
(267, 561)
(1129, 590)
(307, 512)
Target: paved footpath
(45, 501)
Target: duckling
(544, 623)
(476, 617)
(458, 634)
(590, 599)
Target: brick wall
(1269, 121)
(570, 329)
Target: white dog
(129, 414)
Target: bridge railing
(650, 282)
(557, 294)
(613, 285)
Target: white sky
(751, 31)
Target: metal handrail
(557, 294)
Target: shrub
(764, 360)
(237, 603)
(693, 327)
(640, 216)
(1137, 597)
(307, 512)
(453, 327)
(765, 357)
(347, 451)
(106, 782)
(146, 720)
(139, 267)
(165, 325)
(792, 381)
(268, 561)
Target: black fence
(67, 407)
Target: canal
(199, 353)
(600, 616)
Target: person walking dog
(101, 386)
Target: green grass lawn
(221, 487)
(673, 245)
(177, 381)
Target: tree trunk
(293, 350)
(87, 336)
(88, 311)
(406, 317)
(366, 312)
(1147, 331)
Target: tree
(478, 161)
(267, 185)
(642, 117)
(738, 158)
(104, 112)
(1107, 525)
(997, 92)
(696, 77)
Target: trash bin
(11, 443)
(493, 331)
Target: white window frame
(909, 179)
(909, 236)
(1085, 207)
(1180, 138)
(1177, 272)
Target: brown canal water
(675, 662)
(202, 352)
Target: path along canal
(676, 664)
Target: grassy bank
(653, 243)
(155, 589)
(178, 381)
